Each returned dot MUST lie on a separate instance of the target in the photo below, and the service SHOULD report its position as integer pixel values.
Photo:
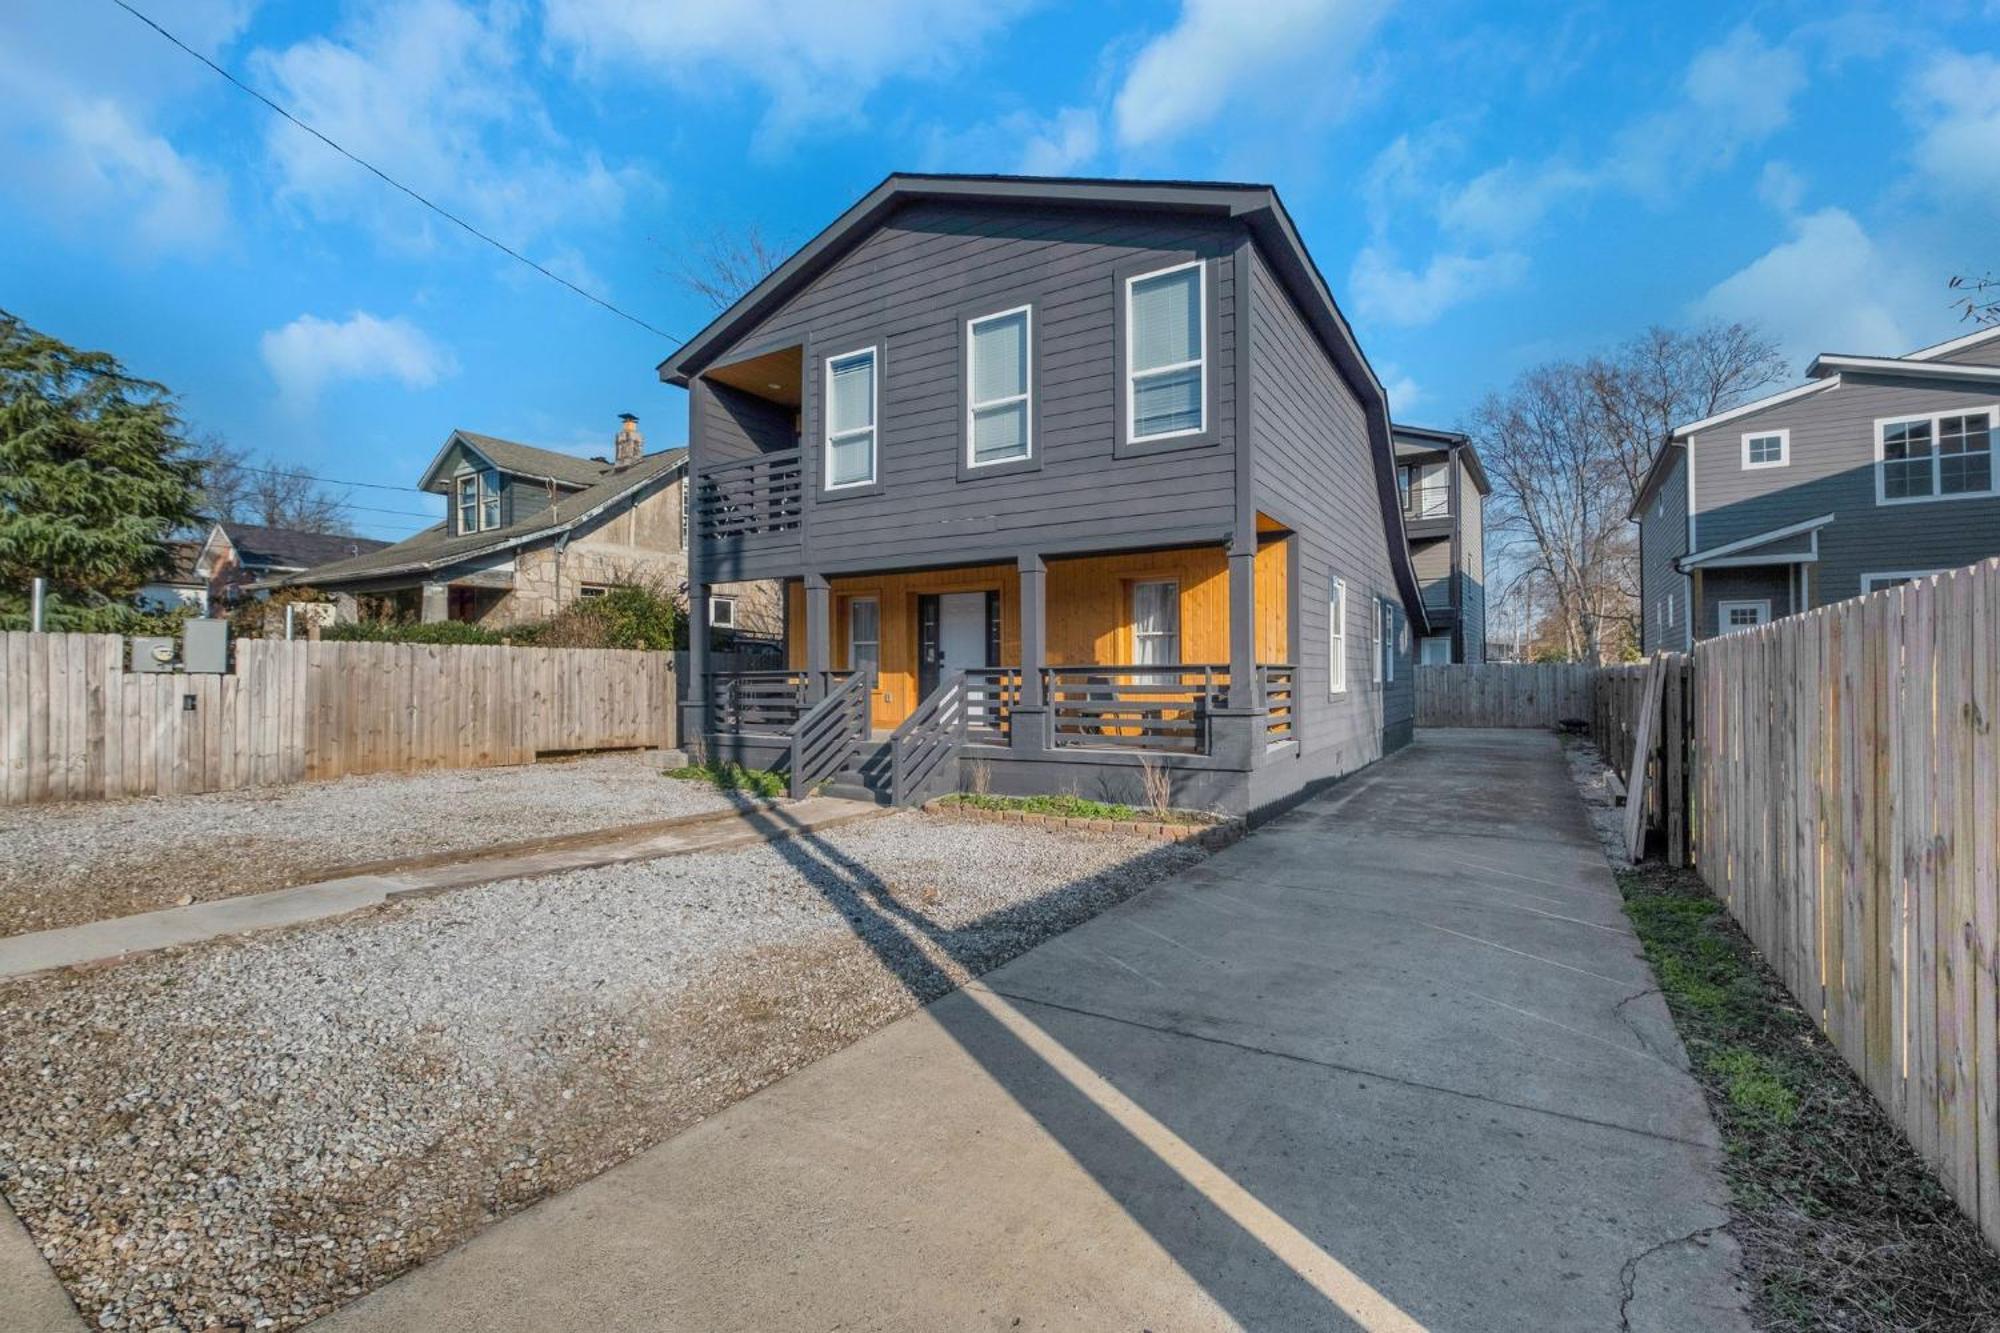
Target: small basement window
(589, 590)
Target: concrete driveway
(1392, 1062)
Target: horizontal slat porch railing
(823, 738)
(1277, 688)
(991, 694)
(922, 750)
(761, 702)
(761, 497)
(1164, 707)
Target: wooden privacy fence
(1505, 694)
(75, 725)
(1848, 812)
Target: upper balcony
(749, 473)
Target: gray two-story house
(1444, 514)
(1067, 481)
(1874, 471)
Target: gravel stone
(251, 1132)
(61, 865)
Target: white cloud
(815, 61)
(1404, 393)
(1021, 143)
(308, 354)
(1221, 52)
(88, 157)
(1510, 200)
(1956, 103)
(1734, 94)
(1828, 288)
(431, 92)
(1385, 289)
(1781, 187)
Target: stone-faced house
(528, 531)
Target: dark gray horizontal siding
(1832, 470)
(1662, 540)
(1313, 469)
(906, 288)
(1471, 567)
(1983, 354)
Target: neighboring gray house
(238, 559)
(1063, 477)
(1876, 470)
(1444, 512)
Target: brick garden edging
(1212, 836)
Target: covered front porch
(1076, 673)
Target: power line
(444, 213)
(329, 481)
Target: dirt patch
(63, 865)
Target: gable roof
(435, 547)
(1951, 345)
(1656, 473)
(1746, 547)
(1832, 363)
(1257, 206)
(523, 460)
(1432, 438)
(288, 548)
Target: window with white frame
(1876, 582)
(999, 388)
(1935, 457)
(1393, 643)
(489, 500)
(1336, 637)
(478, 501)
(1434, 650)
(864, 636)
(1156, 623)
(722, 613)
(852, 395)
(1166, 364)
(1767, 448)
(1670, 610)
(1378, 646)
(1743, 615)
(468, 503)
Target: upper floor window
(1426, 490)
(1166, 371)
(851, 400)
(1935, 457)
(478, 501)
(1000, 387)
(1336, 637)
(1771, 448)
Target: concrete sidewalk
(1392, 1062)
(121, 937)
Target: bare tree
(726, 265)
(235, 490)
(1567, 447)
(1981, 299)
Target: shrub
(734, 777)
(412, 631)
(629, 615)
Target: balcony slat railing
(755, 497)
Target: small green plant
(1071, 806)
(414, 631)
(1756, 1086)
(731, 776)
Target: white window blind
(1001, 388)
(850, 419)
(1166, 367)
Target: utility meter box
(153, 654)
(205, 646)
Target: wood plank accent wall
(1505, 694)
(1089, 612)
(75, 725)
(1848, 814)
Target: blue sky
(1485, 186)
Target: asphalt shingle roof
(435, 547)
(286, 548)
(510, 456)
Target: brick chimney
(630, 443)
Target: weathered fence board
(75, 725)
(1537, 694)
(1848, 815)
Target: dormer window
(478, 502)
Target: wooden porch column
(819, 635)
(1030, 727)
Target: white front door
(961, 631)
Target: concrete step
(846, 789)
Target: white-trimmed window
(588, 591)
(1894, 578)
(1670, 610)
(722, 613)
(1392, 642)
(852, 396)
(478, 501)
(999, 378)
(1767, 448)
(468, 503)
(1166, 362)
(1156, 623)
(1379, 646)
(864, 636)
(1939, 457)
(1336, 637)
(1742, 615)
(1434, 650)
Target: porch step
(865, 776)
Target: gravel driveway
(61, 865)
(262, 1129)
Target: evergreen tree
(94, 478)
